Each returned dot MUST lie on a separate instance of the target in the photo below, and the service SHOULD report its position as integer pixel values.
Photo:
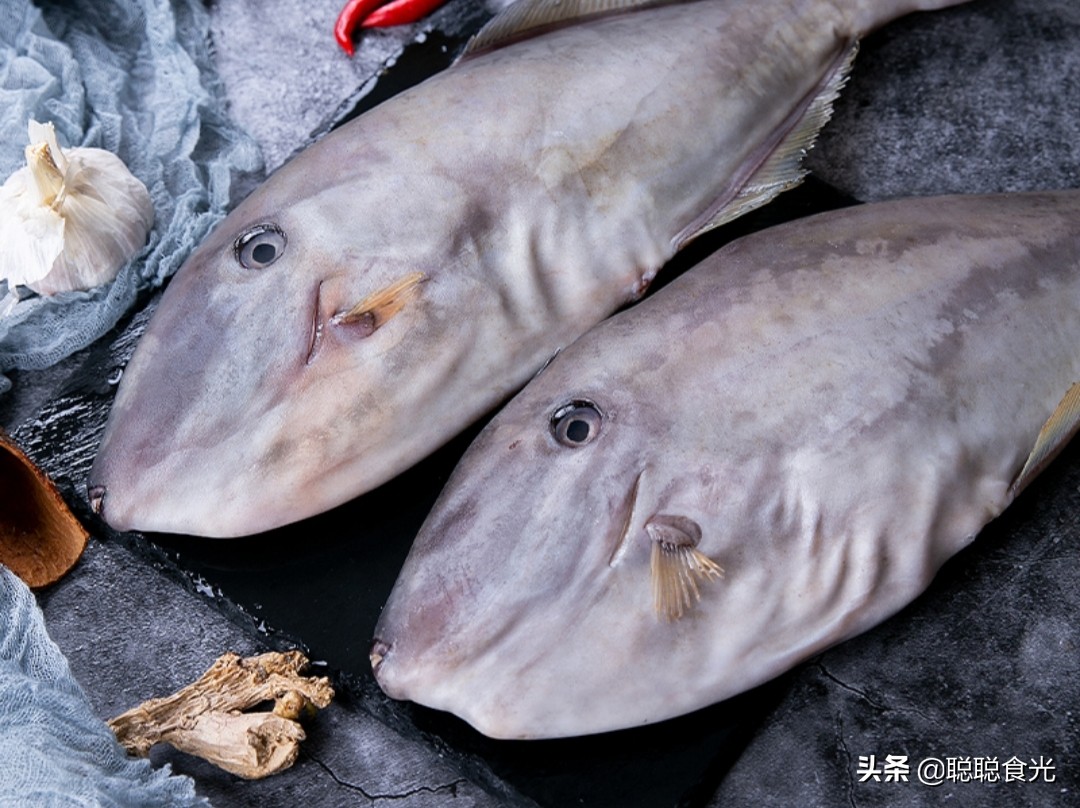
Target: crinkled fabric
(53, 750)
(134, 77)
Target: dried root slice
(40, 538)
(677, 566)
(206, 718)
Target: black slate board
(342, 565)
(322, 582)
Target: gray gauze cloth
(134, 77)
(53, 750)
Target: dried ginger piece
(207, 717)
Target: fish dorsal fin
(528, 18)
(782, 170)
(1058, 430)
(677, 565)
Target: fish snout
(422, 639)
(382, 667)
(392, 673)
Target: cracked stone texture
(986, 663)
(133, 627)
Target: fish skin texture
(536, 187)
(839, 405)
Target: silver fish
(774, 453)
(411, 270)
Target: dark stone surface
(288, 82)
(984, 665)
(977, 98)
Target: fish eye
(259, 246)
(576, 424)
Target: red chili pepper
(400, 12)
(349, 18)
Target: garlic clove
(70, 221)
(46, 174)
(44, 135)
(107, 214)
(30, 240)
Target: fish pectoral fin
(782, 169)
(677, 565)
(528, 18)
(376, 309)
(1058, 430)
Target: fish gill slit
(622, 544)
(315, 335)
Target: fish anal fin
(1058, 430)
(376, 309)
(524, 19)
(677, 566)
(782, 169)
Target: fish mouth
(377, 654)
(95, 494)
(317, 322)
(628, 510)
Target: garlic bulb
(69, 221)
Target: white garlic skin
(70, 220)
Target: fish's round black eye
(576, 424)
(260, 246)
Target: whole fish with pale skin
(771, 455)
(410, 271)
